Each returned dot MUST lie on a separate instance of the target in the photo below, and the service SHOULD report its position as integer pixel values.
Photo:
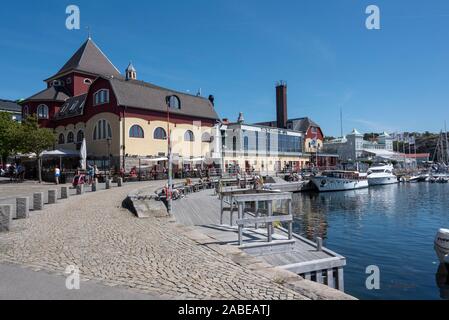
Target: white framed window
(58, 83)
(102, 130)
(87, 81)
(101, 97)
(42, 111)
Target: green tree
(9, 136)
(34, 139)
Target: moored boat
(381, 175)
(340, 181)
(442, 245)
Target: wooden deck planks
(203, 211)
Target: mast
(447, 145)
(341, 121)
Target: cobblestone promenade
(110, 245)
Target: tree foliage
(24, 138)
(9, 136)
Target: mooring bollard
(319, 244)
(94, 186)
(80, 189)
(22, 208)
(52, 196)
(38, 201)
(5, 218)
(120, 182)
(65, 193)
(108, 184)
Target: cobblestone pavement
(109, 244)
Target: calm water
(393, 227)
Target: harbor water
(392, 227)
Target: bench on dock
(227, 203)
(267, 198)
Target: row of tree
(24, 138)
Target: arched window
(160, 134)
(189, 136)
(80, 136)
(26, 111)
(102, 130)
(136, 132)
(101, 97)
(174, 102)
(42, 111)
(206, 137)
(61, 139)
(70, 137)
(234, 146)
(87, 81)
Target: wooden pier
(256, 229)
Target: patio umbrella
(83, 155)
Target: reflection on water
(442, 278)
(392, 227)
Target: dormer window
(174, 102)
(101, 97)
(42, 112)
(57, 83)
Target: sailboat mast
(341, 121)
(447, 145)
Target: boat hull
(381, 181)
(442, 245)
(326, 184)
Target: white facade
(353, 147)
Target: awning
(154, 160)
(194, 160)
(60, 154)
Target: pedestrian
(91, 173)
(57, 174)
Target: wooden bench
(256, 198)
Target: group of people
(15, 172)
(81, 177)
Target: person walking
(57, 175)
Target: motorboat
(336, 180)
(381, 175)
(442, 245)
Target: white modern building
(353, 147)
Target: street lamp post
(170, 161)
(109, 140)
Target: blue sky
(392, 79)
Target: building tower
(131, 73)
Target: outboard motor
(442, 245)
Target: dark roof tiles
(11, 106)
(50, 94)
(89, 58)
(142, 95)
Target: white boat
(442, 245)
(381, 175)
(340, 181)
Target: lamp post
(170, 160)
(109, 140)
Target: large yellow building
(121, 118)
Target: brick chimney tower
(281, 104)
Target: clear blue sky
(393, 79)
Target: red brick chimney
(281, 104)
